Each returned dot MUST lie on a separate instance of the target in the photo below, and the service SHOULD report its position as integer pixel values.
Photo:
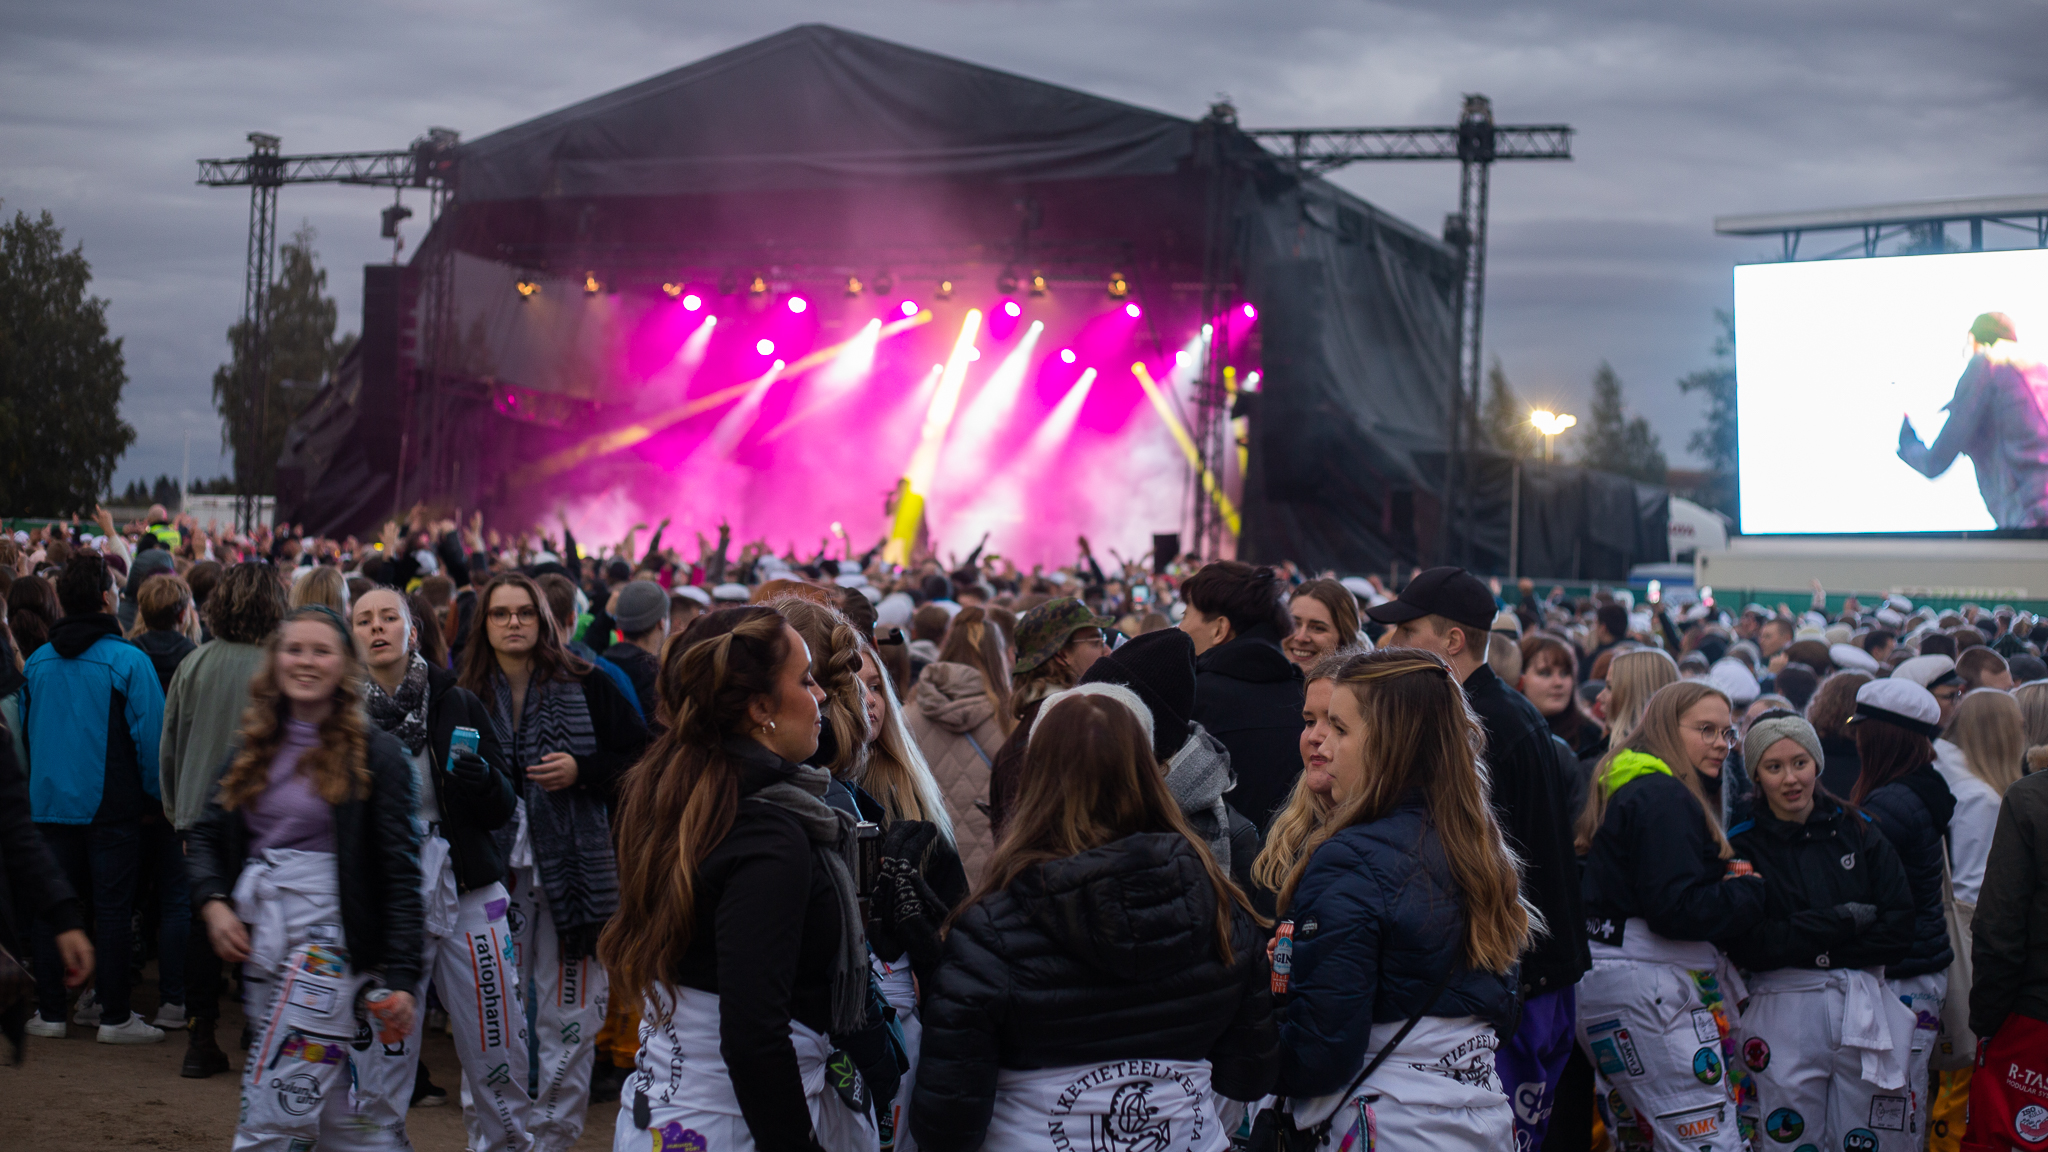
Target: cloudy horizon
(1681, 115)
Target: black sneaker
(424, 1092)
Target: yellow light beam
(558, 462)
(917, 478)
(1187, 447)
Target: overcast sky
(1684, 112)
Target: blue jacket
(1376, 920)
(92, 718)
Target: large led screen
(1833, 356)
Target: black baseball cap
(1452, 593)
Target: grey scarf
(570, 829)
(831, 833)
(1198, 776)
(402, 713)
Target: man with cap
(1448, 611)
(1996, 419)
(640, 608)
(1056, 642)
(686, 602)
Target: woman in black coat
(1895, 724)
(305, 867)
(1106, 975)
(569, 734)
(32, 889)
(1821, 1034)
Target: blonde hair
(321, 584)
(1658, 734)
(1633, 677)
(1992, 733)
(1305, 809)
(2032, 697)
(897, 775)
(1421, 735)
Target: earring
(768, 727)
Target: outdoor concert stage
(785, 284)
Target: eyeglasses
(506, 615)
(1713, 735)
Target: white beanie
(1116, 692)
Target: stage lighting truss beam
(428, 164)
(1882, 222)
(1078, 263)
(1475, 141)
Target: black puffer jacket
(1248, 695)
(1377, 919)
(1810, 870)
(376, 852)
(1654, 859)
(1107, 955)
(1913, 813)
(2012, 910)
(468, 817)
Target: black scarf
(402, 713)
(570, 829)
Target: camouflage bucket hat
(1044, 630)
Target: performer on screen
(1999, 419)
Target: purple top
(290, 812)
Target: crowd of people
(825, 853)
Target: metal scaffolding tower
(428, 164)
(1475, 141)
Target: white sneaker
(47, 1029)
(170, 1017)
(134, 1031)
(88, 1012)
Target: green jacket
(202, 714)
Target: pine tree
(300, 317)
(1612, 442)
(1504, 418)
(61, 377)
(1715, 442)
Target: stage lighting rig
(854, 287)
(1038, 286)
(527, 288)
(757, 286)
(944, 291)
(1118, 286)
(672, 290)
(591, 286)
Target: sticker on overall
(308, 1050)
(1607, 1058)
(673, 1137)
(1704, 1029)
(1859, 1140)
(1888, 1113)
(1628, 1053)
(1756, 1053)
(1706, 1066)
(2031, 1125)
(495, 910)
(321, 960)
(1784, 1125)
(316, 997)
(1698, 1124)
(298, 1093)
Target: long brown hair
(339, 765)
(1421, 735)
(679, 801)
(897, 775)
(1658, 734)
(1090, 779)
(976, 642)
(1835, 702)
(551, 661)
(1887, 752)
(1342, 605)
(835, 665)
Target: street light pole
(1550, 424)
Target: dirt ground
(76, 1095)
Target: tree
(299, 318)
(61, 377)
(1715, 441)
(1504, 418)
(1612, 442)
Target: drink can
(1283, 957)
(375, 1001)
(1741, 868)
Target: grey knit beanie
(1770, 730)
